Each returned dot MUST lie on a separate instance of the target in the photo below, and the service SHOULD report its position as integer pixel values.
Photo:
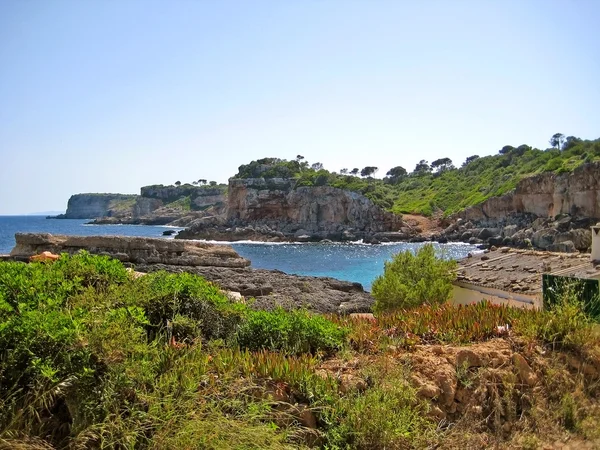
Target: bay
(345, 261)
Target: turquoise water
(352, 262)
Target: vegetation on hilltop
(93, 357)
(439, 186)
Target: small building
(526, 278)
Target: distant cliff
(155, 205)
(88, 206)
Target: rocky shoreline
(549, 211)
(217, 263)
(273, 288)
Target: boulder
(526, 374)
(544, 238)
(496, 241)
(581, 238)
(509, 230)
(539, 224)
(487, 233)
(562, 224)
(564, 247)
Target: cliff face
(88, 206)
(276, 203)
(547, 211)
(155, 205)
(273, 209)
(546, 195)
(201, 196)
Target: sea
(353, 261)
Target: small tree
(317, 166)
(470, 159)
(570, 142)
(442, 164)
(344, 171)
(178, 183)
(354, 171)
(201, 181)
(557, 140)
(396, 174)
(422, 168)
(213, 183)
(368, 171)
(410, 280)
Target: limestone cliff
(87, 206)
(548, 211)
(156, 205)
(546, 195)
(276, 208)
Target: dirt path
(426, 226)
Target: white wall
(465, 294)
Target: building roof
(521, 271)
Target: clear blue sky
(108, 96)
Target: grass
(94, 358)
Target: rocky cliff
(547, 211)
(156, 205)
(87, 206)
(275, 208)
(546, 195)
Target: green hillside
(439, 186)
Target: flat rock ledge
(134, 250)
(273, 288)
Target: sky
(109, 96)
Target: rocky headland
(275, 209)
(155, 205)
(548, 211)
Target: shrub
(564, 324)
(166, 297)
(413, 279)
(293, 332)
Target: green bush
(292, 332)
(564, 324)
(413, 279)
(168, 297)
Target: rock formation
(273, 288)
(135, 250)
(87, 206)
(156, 205)
(546, 195)
(547, 211)
(275, 209)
